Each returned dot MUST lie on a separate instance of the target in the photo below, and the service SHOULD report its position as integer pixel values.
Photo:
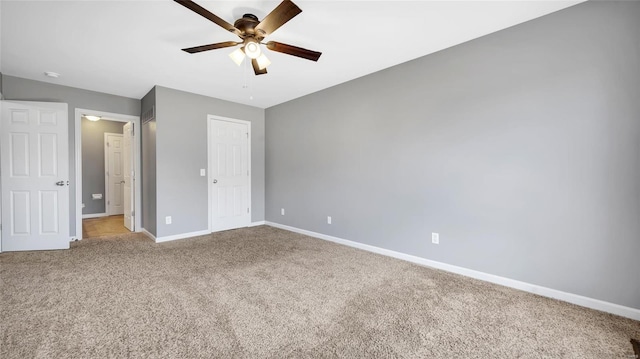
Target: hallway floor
(103, 226)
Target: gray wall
(149, 213)
(520, 148)
(181, 151)
(93, 162)
(19, 89)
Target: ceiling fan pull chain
(245, 75)
(250, 87)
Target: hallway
(103, 226)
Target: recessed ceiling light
(55, 75)
(92, 118)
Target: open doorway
(102, 177)
(108, 159)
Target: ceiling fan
(252, 31)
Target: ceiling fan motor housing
(247, 25)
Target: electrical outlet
(328, 219)
(167, 219)
(435, 238)
(282, 211)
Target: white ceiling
(127, 47)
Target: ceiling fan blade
(293, 50)
(208, 14)
(218, 45)
(284, 12)
(256, 68)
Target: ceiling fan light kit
(252, 31)
(263, 62)
(237, 56)
(251, 48)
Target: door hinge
(132, 129)
(108, 202)
(108, 144)
(133, 213)
(247, 210)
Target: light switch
(203, 172)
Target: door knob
(60, 183)
(215, 181)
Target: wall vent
(149, 115)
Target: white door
(114, 177)
(127, 171)
(35, 176)
(229, 174)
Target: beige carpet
(266, 293)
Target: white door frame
(209, 178)
(107, 192)
(136, 155)
(128, 203)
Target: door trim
(137, 150)
(211, 118)
(107, 204)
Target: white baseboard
(94, 215)
(147, 233)
(190, 234)
(181, 236)
(583, 301)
